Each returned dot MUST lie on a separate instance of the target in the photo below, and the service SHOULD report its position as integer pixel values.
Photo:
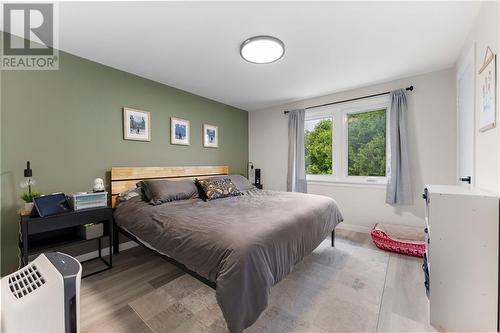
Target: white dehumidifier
(43, 296)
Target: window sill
(329, 181)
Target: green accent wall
(68, 123)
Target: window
(366, 143)
(347, 142)
(318, 141)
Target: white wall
(485, 32)
(432, 146)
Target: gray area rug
(333, 290)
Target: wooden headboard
(125, 178)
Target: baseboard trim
(354, 227)
(105, 251)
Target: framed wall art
(210, 136)
(179, 131)
(487, 92)
(136, 125)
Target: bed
(241, 246)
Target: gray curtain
(296, 176)
(399, 180)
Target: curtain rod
(410, 88)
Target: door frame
(469, 59)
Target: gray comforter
(245, 244)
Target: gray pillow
(164, 190)
(127, 195)
(241, 182)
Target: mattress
(245, 244)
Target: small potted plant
(28, 197)
(90, 230)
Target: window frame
(339, 114)
(318, 116)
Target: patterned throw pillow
(218, 188)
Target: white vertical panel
(463, 259)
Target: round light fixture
(262, 49)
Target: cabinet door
(464, 262)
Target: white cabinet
(462, 257)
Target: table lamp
(28, 178)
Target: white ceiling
(330, 46)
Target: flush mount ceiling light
(262, 49)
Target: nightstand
(259, 186)
(51, 233)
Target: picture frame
(180, 131)
(210, 136)
(487, 92)
(136, 125)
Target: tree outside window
(318, 150)
(366, 143)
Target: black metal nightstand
(39, 234)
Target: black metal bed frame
(116, 249)
(211, 284)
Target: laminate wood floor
(123, 298)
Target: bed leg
(333, 238)
(116, 240)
